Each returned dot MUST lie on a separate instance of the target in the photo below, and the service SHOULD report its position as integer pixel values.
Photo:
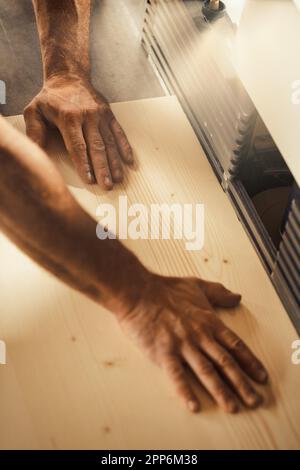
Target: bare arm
(42, 217)
(172, 319)
(94, 139)
(63, 27)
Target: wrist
(115, 276)
(59, 62)
(134, 281)
(63, 77)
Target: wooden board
(73, 380)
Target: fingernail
(255, 400)
(233, 407)
(262, 375)
(107, 182)
(193, 406)
(118, 175)
(90, 177)
(130, 156)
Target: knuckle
(105, 111)
(194, 280)
(110, 141)
(225, 361)
(78, 147)
(214, 288)
(203, 334)
(181, 330)
(97, 145)
(234, 342)
(101, 167)
(206, 368)
(92, 110)
(69, 116)
(237, 344)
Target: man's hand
(91, 133)
(174, 323)
(171, 318)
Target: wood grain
(74, 381)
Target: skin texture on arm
(41, 216)
(171, 319)
(94, 139)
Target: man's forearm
(171, 319)
(92, 135)
(40, 215)
(63, 27)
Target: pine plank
(73, 380)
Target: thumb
(36, 128)
(219, 296)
